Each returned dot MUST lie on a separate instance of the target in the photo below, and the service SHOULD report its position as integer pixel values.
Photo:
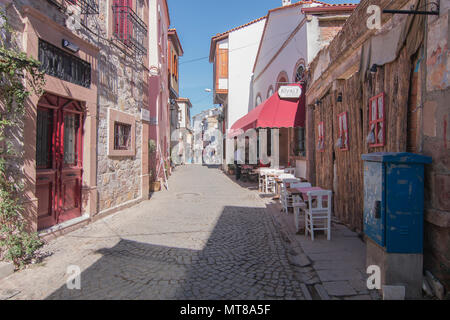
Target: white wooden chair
(270, 182)
(286, 199)
(299, 207)
(318, 217)
(261, 182)
(262, 179)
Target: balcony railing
(130, 29)
(87, 6)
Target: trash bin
(393, 217)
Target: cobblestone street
(206, 238)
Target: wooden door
(59, 166)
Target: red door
(59, 166)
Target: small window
(122, 136)
(320, 138)
(299, 76)
(270, 92)
(342, 142)
(258, 100)
(376, 121)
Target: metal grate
(129, 29)
(60, 64)
(87, 6)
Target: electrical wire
(239, 48)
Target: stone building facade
(95, 56)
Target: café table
(303, 192)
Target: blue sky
(196, 22)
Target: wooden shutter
(223, 63)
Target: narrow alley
(200, 240)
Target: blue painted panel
(404, 210)
(396, 157)
(374, 202)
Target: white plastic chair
(318, 217)
(299, 206)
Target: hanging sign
(290, 92)
(145, 115)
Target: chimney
(286, 2)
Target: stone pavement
(340, 264)
(206, 238)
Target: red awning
(273, 113)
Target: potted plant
(231, 169)
(155, 185)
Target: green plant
(18, 72)
(151, 146)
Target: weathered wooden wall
(348, 185)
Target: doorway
(59, 155)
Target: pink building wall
(159, 84)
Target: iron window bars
(129, 28)
(87, 6)
(60, 64)
(122, 136)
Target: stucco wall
(285, 61)
(243, 47)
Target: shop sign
(290, 92)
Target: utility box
(393, 217)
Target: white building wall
(243, 47)
(286, 61)
(280, 25)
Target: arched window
(258, 100)
(300, 71)
(270, 92)
(300, 75)
(282, 79)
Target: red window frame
(377, 119)
(320, 136)
(343, 130)
(122, 26)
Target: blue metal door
(404, 213)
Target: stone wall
(436, 143)
(121, 86)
